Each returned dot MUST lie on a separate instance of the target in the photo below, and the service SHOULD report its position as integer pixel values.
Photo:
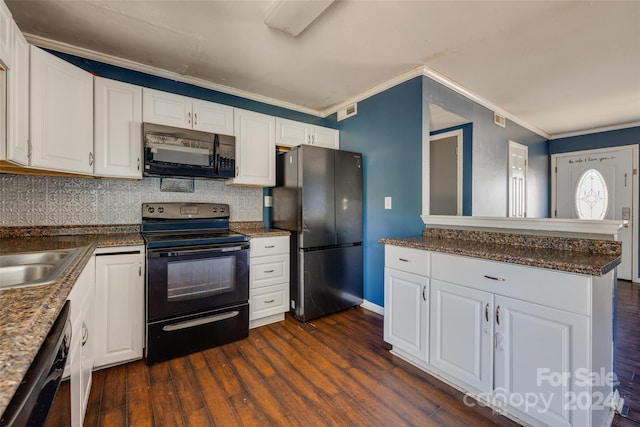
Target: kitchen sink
(34, 268)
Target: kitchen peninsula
(522, 323)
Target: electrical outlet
(387, 202)
(268, 201)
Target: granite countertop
(256, 229)
(28, 313)
(582, 256)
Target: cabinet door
(61, 114)
(80, 360)
(325, 137)
(461, 331)
(290, 133)
(255, 149)
(212, 117)
(535, 348)
(406, 320)
(6, 29)
(118, 128)
(119, 309)
(165, 108)
(18, 102)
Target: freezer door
(348, 188)
(329, 280)
(316, 177)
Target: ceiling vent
(499, 120)
(350, 110)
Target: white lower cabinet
(119, 306)
(406, 329)
(268, 280)
(461, 333)
(80, 360)
(536, 346)
(535, 343)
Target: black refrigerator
(318, 197)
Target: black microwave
(177, 152)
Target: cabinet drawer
(268, 301)
(269, 270)
(414, 261)
(565, 291)
(261, 246)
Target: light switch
(268, 201)
(387, 202)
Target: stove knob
(221, 210)
(160, 209)
(215, 210)
(151, 209)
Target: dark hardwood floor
(334, 371)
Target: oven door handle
(202, 321)
(180, 252)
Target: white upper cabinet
(61, 115)
(18, 101)
(118, 129)
(212, 117)
(255, 149)
(290, 133)
(169, 109)
(6, 29)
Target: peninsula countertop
(29, 313)
(573, 255)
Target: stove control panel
(172, 210)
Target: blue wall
(388, 132)
(467, 164)
(614, 138)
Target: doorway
(445, 173)
(601, 184)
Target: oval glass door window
(592, 196)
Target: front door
(599, 184)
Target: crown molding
(159, 72)
(596, 130)
(374, 91)
(445, 81)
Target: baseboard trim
(368, 305)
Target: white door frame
(635, 149)
(458, 133)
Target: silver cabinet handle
(138, 163)
(269, 301)
(237, 171)
(404, 260)
(424, 289)
(85, 333)
(189, 117)
(270, 247)
(499, 279)
(269, 271)
(486, 312)
(90, 158)
(140, 269)
(498, 315)
(195, 119)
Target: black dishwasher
(31, 403)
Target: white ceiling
(559, 66)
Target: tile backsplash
(36, 200)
